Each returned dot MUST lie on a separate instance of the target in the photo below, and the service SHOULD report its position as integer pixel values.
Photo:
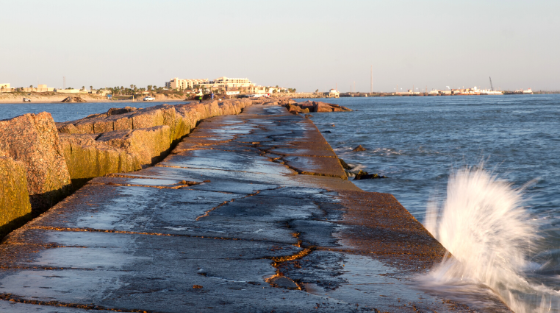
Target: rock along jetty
(249, 213)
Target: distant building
(70, 91)
(39, 88)
(184, 84)
(223, 83)
(5, 88)
(333, 93)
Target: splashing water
(489, 235)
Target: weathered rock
(74, 99)
(14, 197)
(321, 107)
(117, 111)
(33, 139)
(344, 165)
(306, 105)
(147, 144)
(318, 106)
(122, 119)
(365, 175)
(293, 108)
(359, 148)
(124, 141)
(285, 101)
(86, 158)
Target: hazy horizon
(306, 45)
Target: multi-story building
(221, 83)
(184, 84)
(226, 82)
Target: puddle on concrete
(153, 182)
(369, 283)
(228, 161)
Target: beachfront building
(39, 88)
(71, 91)
(221, 83)
(226, 83)
(5, 88)
(184, 84)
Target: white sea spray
(489, 235)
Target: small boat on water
(491, 93)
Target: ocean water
(483, 175)
(62, 112)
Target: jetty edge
(58, 158)
(250, 212)
(55, 159)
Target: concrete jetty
(249, 213)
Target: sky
(306, 44)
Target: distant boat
(491, 93)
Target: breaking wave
(490, 236)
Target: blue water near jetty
(62, 112)
(419, 142)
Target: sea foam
(489, 236)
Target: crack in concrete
(18, 299)
(277, 263)
(232, 200)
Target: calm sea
(62, 112)
(419, 143)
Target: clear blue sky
(305, 44)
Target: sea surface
(482, 173)
(62, 112)
(486, 168)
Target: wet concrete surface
(250, 213)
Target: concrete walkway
(250, 213)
